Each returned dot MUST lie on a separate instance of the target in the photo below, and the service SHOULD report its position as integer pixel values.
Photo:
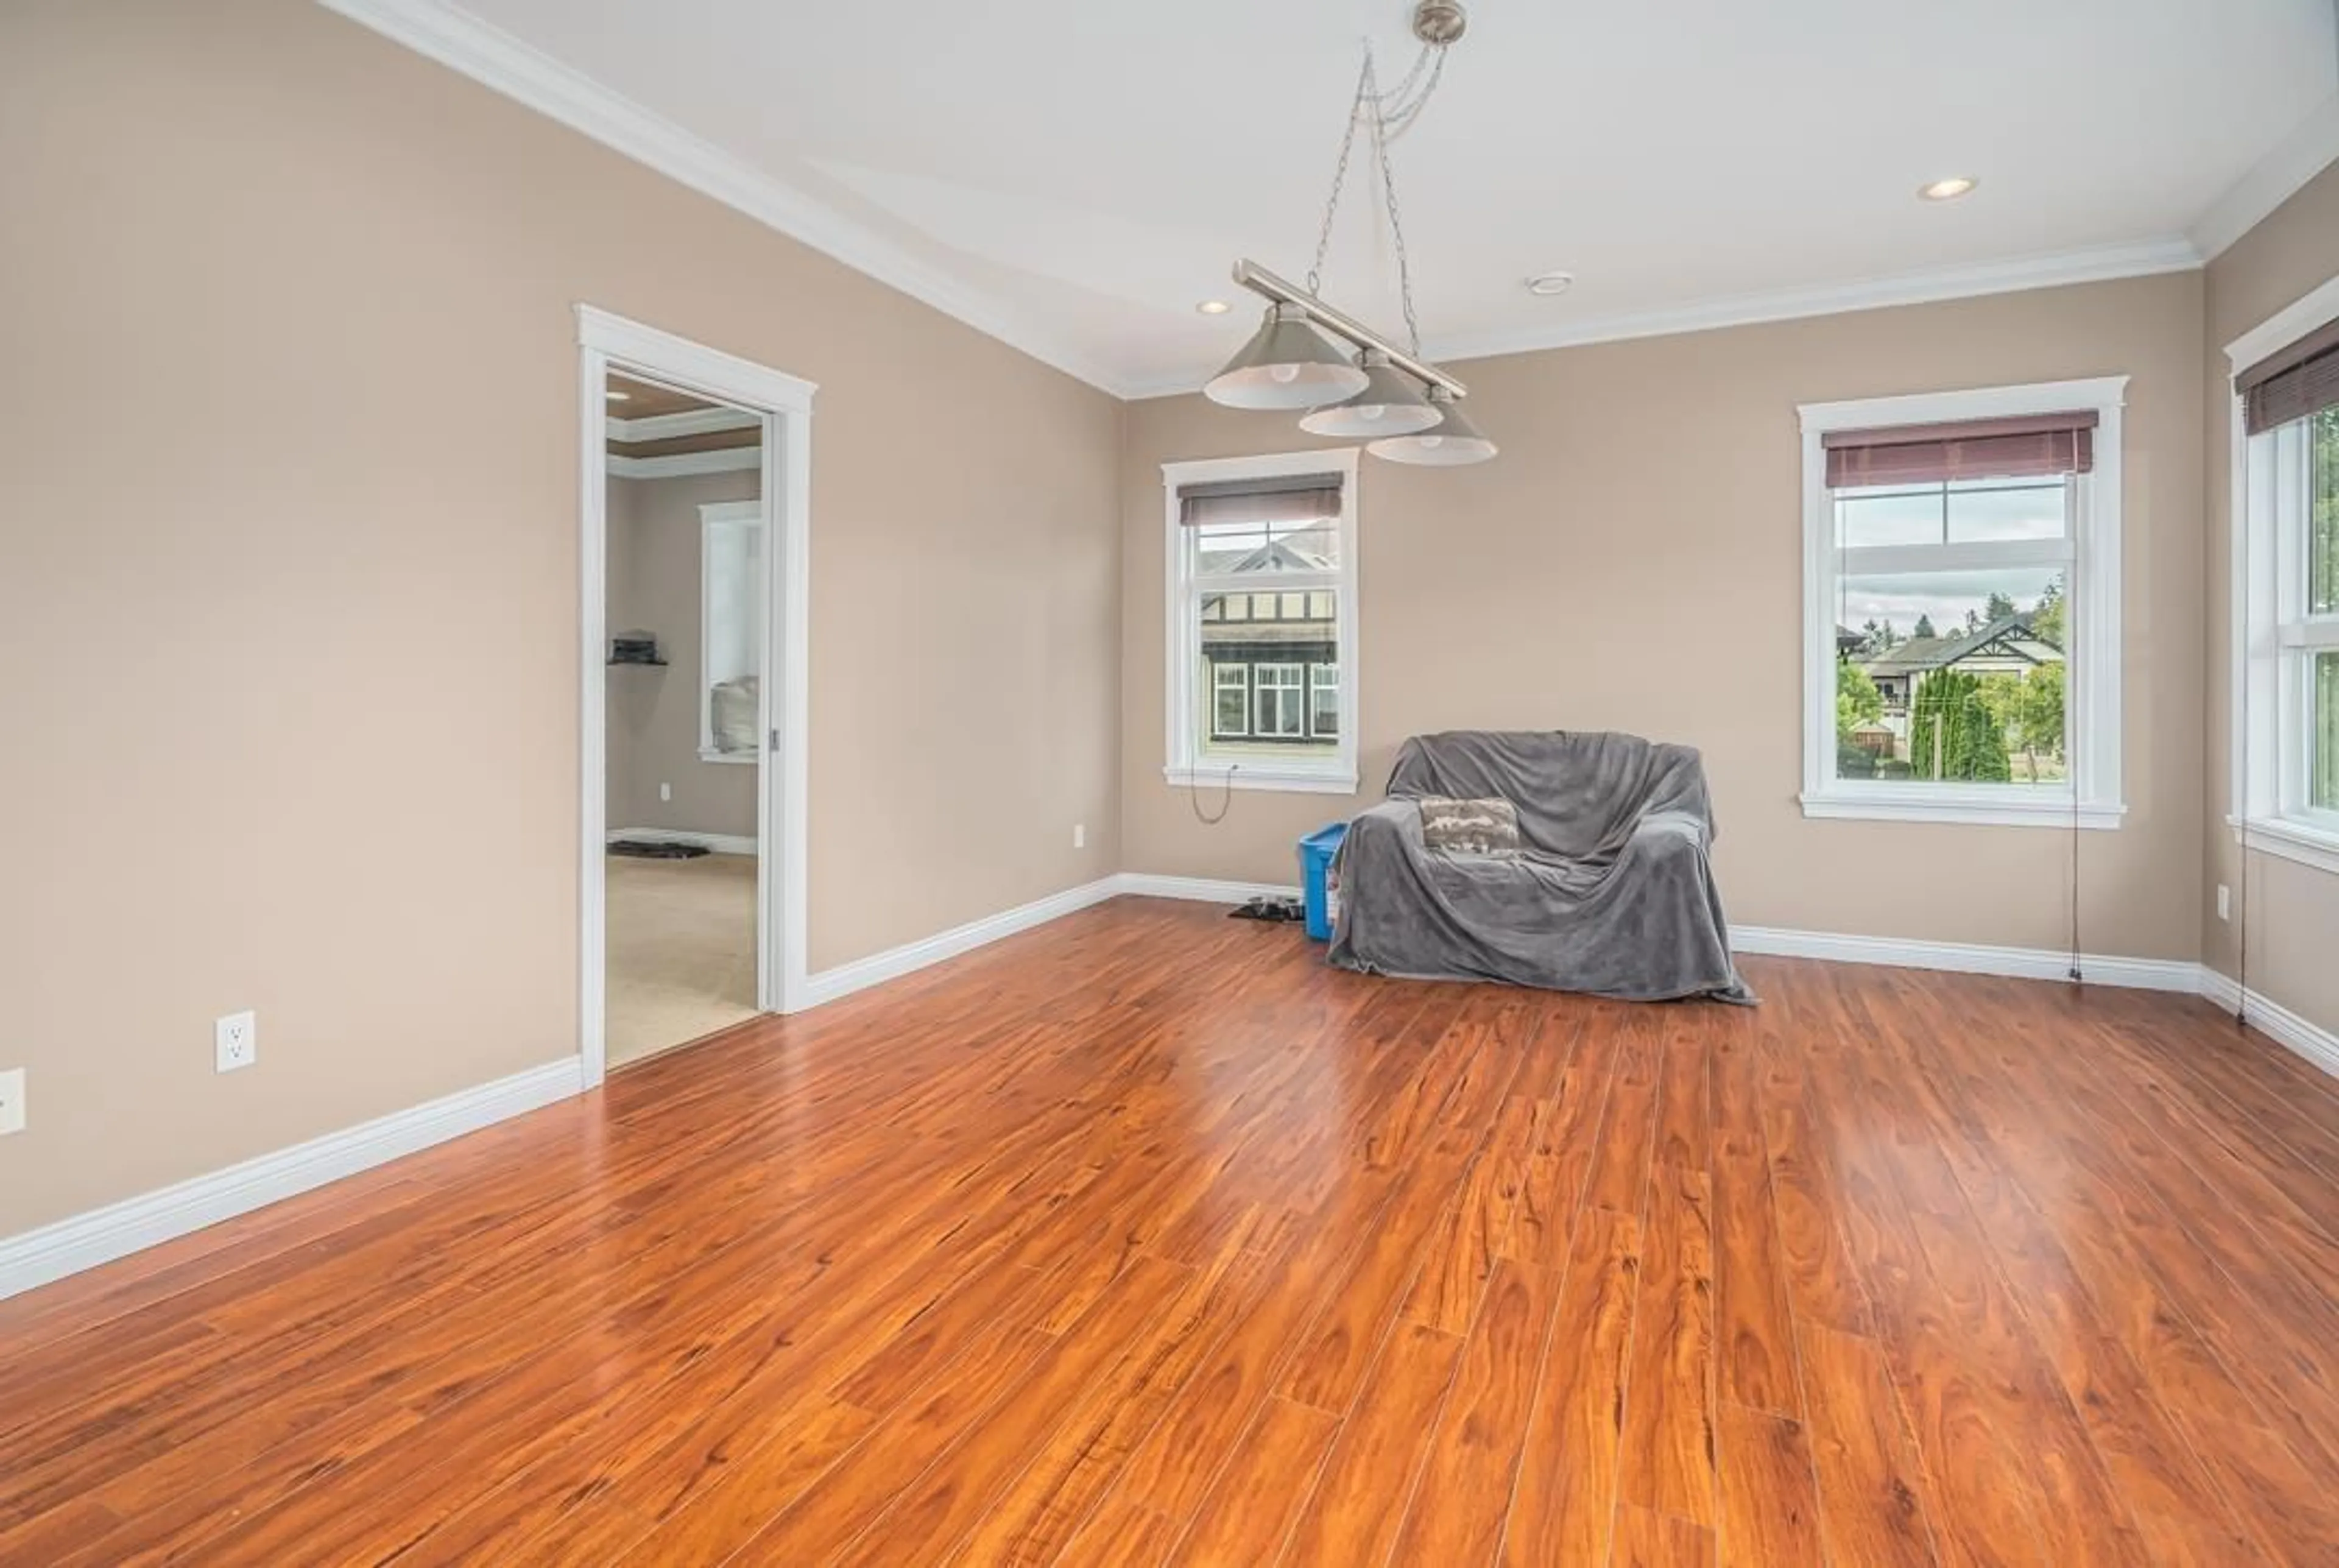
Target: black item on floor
(635, 849)
(1271, 909)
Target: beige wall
(653, 730)
(1634, 561)
(291, 635)
(2294, 909)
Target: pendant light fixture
(1407, 409)
(1449, 444)
(1287, 364)
(1390, 405)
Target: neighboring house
(2006, 646)
(1273, 656)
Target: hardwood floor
(1144, 1238)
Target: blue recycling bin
(1320, 888)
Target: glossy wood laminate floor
(1144, 1238)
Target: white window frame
(1182, 592)
(2272, 634)
(714, 516)
(2092, 798)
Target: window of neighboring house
(1230, 700)
(1961, 593)
(2287, 577)
(731, 621)
(1262, 594)
(1324, 699)
(1276, 690)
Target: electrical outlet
(2225, 902)
(665, 792)
(11, 1102)
(235, 1040)
(1080, 835)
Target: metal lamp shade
(1390, 405)
(1287, 364)
(1454, 442)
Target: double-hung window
(1262, 622)
(1962, 606)
(2287, 577)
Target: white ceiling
(1075, 174)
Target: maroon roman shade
(2292, 382)
(2031, 446)
(1294, 500)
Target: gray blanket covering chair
(1611, 890)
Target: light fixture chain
(1365, 84)
(1396, 235)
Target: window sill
(1974, 807)
(2290, 840)
(1296, 779)
(710, 755)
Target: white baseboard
(893, 962)
(1145, 885)
(102, 1235)
(1967, 958)
(2302, 1037)
(719, 842)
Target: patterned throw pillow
(1469, 827)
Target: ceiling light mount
(1948, 190)
(1548, 284)
(1440, 23)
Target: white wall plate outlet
(235, 1040)
(11, 1102)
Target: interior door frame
(784, 402)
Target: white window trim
(711, 516)
(2260, 816)
(1336, 774)
(2094, 800)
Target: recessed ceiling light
(618, 396)
(1948, 190)
(1214, 307)
(1550, 283)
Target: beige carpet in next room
(682, 950)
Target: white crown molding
(2102, 264)
(494, 58)
(689, 422)
(85, 1240)
(2270, 182)
(2099, 265)
(680, 465)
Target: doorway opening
(695, 492)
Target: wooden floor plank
(1566, 1493)
(1149, 1236)
(1770, 1512)
(1666, 1462)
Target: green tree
(1953, 734)
(1857, 699)
(2028, 708)
(2048, 619)
(1925, 627)
(2000, 606)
